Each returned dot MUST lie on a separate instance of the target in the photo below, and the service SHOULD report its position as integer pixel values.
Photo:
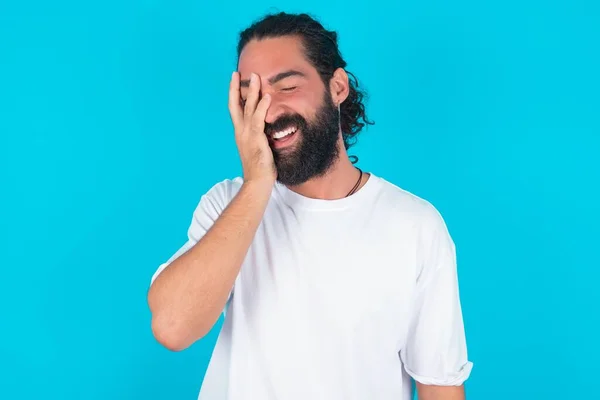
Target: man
(335, 283)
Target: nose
(274, 112)
(276, 108)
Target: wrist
(259, 189)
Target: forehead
(268, 57)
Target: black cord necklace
(357, 184)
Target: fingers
(252, 98)
(258, 119)
(235, 109)
(254, 111)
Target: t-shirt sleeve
(209, 208)
(435, 351)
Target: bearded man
(335, 283)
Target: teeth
(284, 133)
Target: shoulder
(410, 206)
(434, 244)
(225, 190)
(219, 195)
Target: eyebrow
(273, 80)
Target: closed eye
(288, 89)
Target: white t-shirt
(337, 299)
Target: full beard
(316, 150)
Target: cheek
(313, 98)
(302, 102)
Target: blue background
(114, 121)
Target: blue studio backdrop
(114, 121)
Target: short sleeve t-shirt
(337, 299)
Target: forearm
(428, 392)
(187, 298)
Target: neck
(335, 183)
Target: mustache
(284, 122)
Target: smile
(284, 137)
(284, 133)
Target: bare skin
(429, 392)
(187, 298)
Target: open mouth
(280, 135)
(283, 137)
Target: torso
(321, 305)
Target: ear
(339, 86)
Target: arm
(431, 392)
(435, 351)
(187, 298)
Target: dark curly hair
(321, 50)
